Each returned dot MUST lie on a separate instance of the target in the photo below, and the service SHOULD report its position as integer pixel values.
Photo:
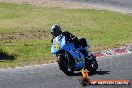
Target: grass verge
(25, 37)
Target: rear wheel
(92, 65)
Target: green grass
(25, 36)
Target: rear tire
(92, 66)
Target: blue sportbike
(71, 58)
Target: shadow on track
(90, 74)
(100, 73)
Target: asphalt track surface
(49, 76)
(117, 5)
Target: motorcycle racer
(56, 30)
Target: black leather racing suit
(69, 37)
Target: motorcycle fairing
(59, 43)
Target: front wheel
(62, 62)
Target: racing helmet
(55, 30)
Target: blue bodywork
(59, 43)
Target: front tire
(63, 64)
